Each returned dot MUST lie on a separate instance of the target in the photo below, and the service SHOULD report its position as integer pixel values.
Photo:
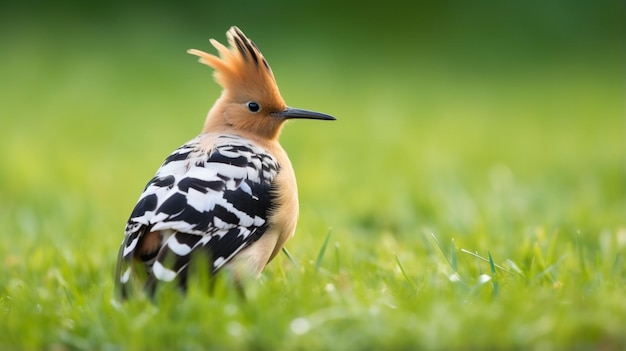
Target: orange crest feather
(241, 69)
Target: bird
(229, 195)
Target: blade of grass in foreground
(491, 262)
(452, 262)
(443, 252)
(413, 286)
(494, 282)
(320, 255)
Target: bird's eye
(253, 106)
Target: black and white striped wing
(217, 200)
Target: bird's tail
(169, 261)
(126, 265)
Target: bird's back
(212, 195)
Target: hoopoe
(229, 193)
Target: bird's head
(250, 102)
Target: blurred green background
(429, 96)
(482, 121)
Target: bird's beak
(290, 113)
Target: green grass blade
(454, 262)
(494, 282)
(548, 271)
(290, 257)
(494, 264)
(320, 255)
(443, 251)
(406, 277)
(581, 256)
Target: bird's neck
(269, 141)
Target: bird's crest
(241, 67)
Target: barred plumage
(229, 193)
(216, 199)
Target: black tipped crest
(240, 47)
(239, 68)
(256, 59)
(267, 65)
(250, 48)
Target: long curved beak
(292, 113)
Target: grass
(447, 208)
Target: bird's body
(230, 193)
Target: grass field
(453, 205)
